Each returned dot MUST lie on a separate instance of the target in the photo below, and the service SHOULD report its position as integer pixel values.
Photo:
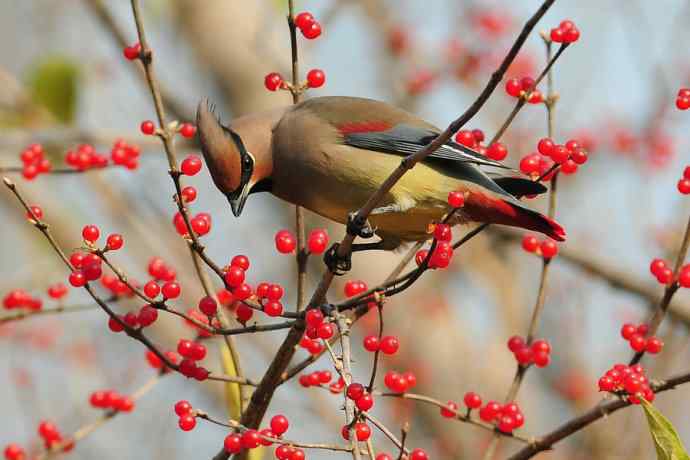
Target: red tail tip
(557, 231)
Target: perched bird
(330, 154)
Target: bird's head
(238, 156)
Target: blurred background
(63, 81)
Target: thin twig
(49, 311)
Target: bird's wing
(405, 139)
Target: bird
(330, 154)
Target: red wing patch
(364, 127)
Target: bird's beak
(237, 204)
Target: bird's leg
(358, 227)
(336, 264)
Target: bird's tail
(532, 220)
(505, 211)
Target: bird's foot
(359, 227)
(336, 264)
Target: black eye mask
(246, 162)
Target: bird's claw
(359, 227)
(336, 264)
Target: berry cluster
(156, 363)
(471, 400)
(87, 267)
(308, 25)
(110, 399)
(388, 345)
(361, 429)
(684, 182)
(192, 352)
(14, 452)
(318, 378)
(683, 99)
(638, 340)
(51, 435)
(546, 248)
(285, 241)
(415, 454)
(318, 241)
(566, 32)
(19, 298)
(147, 316)
(359, 394)
(399, 383)
(317, 328)
(474, 138)
(537, 352)
(124, 154)
(85, 157)
(506, 417)
(664, 273)
(187, 416)
(568, 156)
(629, 381)
(34, 161)
(116, 287)
(250, 439)
(524, 88)
(443, 252)
(201, 223)
(269, 295)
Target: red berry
(234, 276)
(571, 35)
(530, 163)
(548, 248)
(497, 151)
(114, 325)
(151, 289)
(506, 424)
(242, 292)
(395, 382)
(275, 292)
(208, 306)
(515, 343)
(304, 19)
(523, 355)
(530, 243)
(559, 154)
(183, 408)
(472, 400)
(450, 411)
(665, 276)
(683, 102)
(57, 291)
(362, 431)
(171, 290)
(513, 87)
(657, 266)
(354, 287)
(279, 424)
(77, 278)
(638, 342)
(465, 137)
(541, 345)
(187, 422)
(684, 186)
(535, 97)
(355, 391)
(147, 315)
(314, 317)
(273, 308)
(250, 439)
(418, 454)
(684, 277)
(579, 156)
(389, 345)
(606, 383)
(190, 165)
(132, 52)
(569, 167)
(188, 194)
(318, 241)
(90, 233)
(312, 31)
(545, 146)
(147, 127)
(456, 199)
(628, 330)
(285, 242)
(540, 358)
(232, 443)
(114, 242)
(325, 331)
(316, 78)
(365, 402)
(187, 130)
(37, 211)
(371, 343)
(557, 35)
(490, 411)
(654, 345)
(273, 81)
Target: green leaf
(666, 440)
(53, 84)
